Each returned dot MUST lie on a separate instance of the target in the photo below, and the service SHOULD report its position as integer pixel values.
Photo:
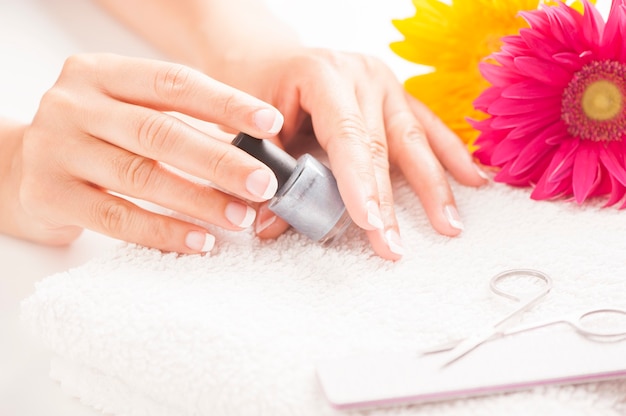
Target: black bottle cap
(279, 161)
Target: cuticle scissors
(503, 327)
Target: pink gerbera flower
(557, 105)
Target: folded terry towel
(237, 332)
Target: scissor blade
(445, 346)
(468, 345)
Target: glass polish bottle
(307, 197)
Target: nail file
(522, 361)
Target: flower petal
(547, 72)
(556, 178)
(530, 89)
(617, 193)
(593, 25)
(585, 174)
(612, 163)
(486, 98)
(511, 106)
(535, 150)
(539, 119)
(570, 60)
(614, 36)
(562, 162)
(497, 75)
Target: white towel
(237, 332)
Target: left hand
(366, 122)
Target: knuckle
(229, 104)
(411, 141)
(138, 173)
(338, 61)
(159, 231)
(218, 163)
(57, 102)
(157, 132)
(378, 147)
(172, 82)
(370, 64)
(79, 64)
(350, 131)
(110, 215)
(331, 59)
(351, 127)
(53, 97)
(379, 151)
(414, 135)
(321, 59)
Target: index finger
(166, 86)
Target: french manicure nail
(262, 184)
(374, 218)
(199, 241)
(265, 218)
(394, 242)
(452, 215)
(269, 121)
(240, 214)
(481, 172)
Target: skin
(102, 131)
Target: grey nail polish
(307, 197)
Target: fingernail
(199, 241)
(481, 172)
(262, 183)
(394, 242)
(240, 214)
(270, 121)
(265, 218)
(452, 215)
(374, 218)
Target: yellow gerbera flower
(452, 37)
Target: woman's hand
(103, 130)
(359, 111)
(366, 122)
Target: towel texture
(237, 332)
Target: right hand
(102, 130)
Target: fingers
(105, 128)
(347, 116)
(366, 120)
(119, 218)
(165, 86)
(386, 241)
(132, 175)
(358, 156)
(160, 136)
(449, 149)
(424, 147)
(412, 153)
(131, 117)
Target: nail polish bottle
(307, 197)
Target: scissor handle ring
(580, 326)
(493, 284)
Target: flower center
(592, 105)
(602, 100)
